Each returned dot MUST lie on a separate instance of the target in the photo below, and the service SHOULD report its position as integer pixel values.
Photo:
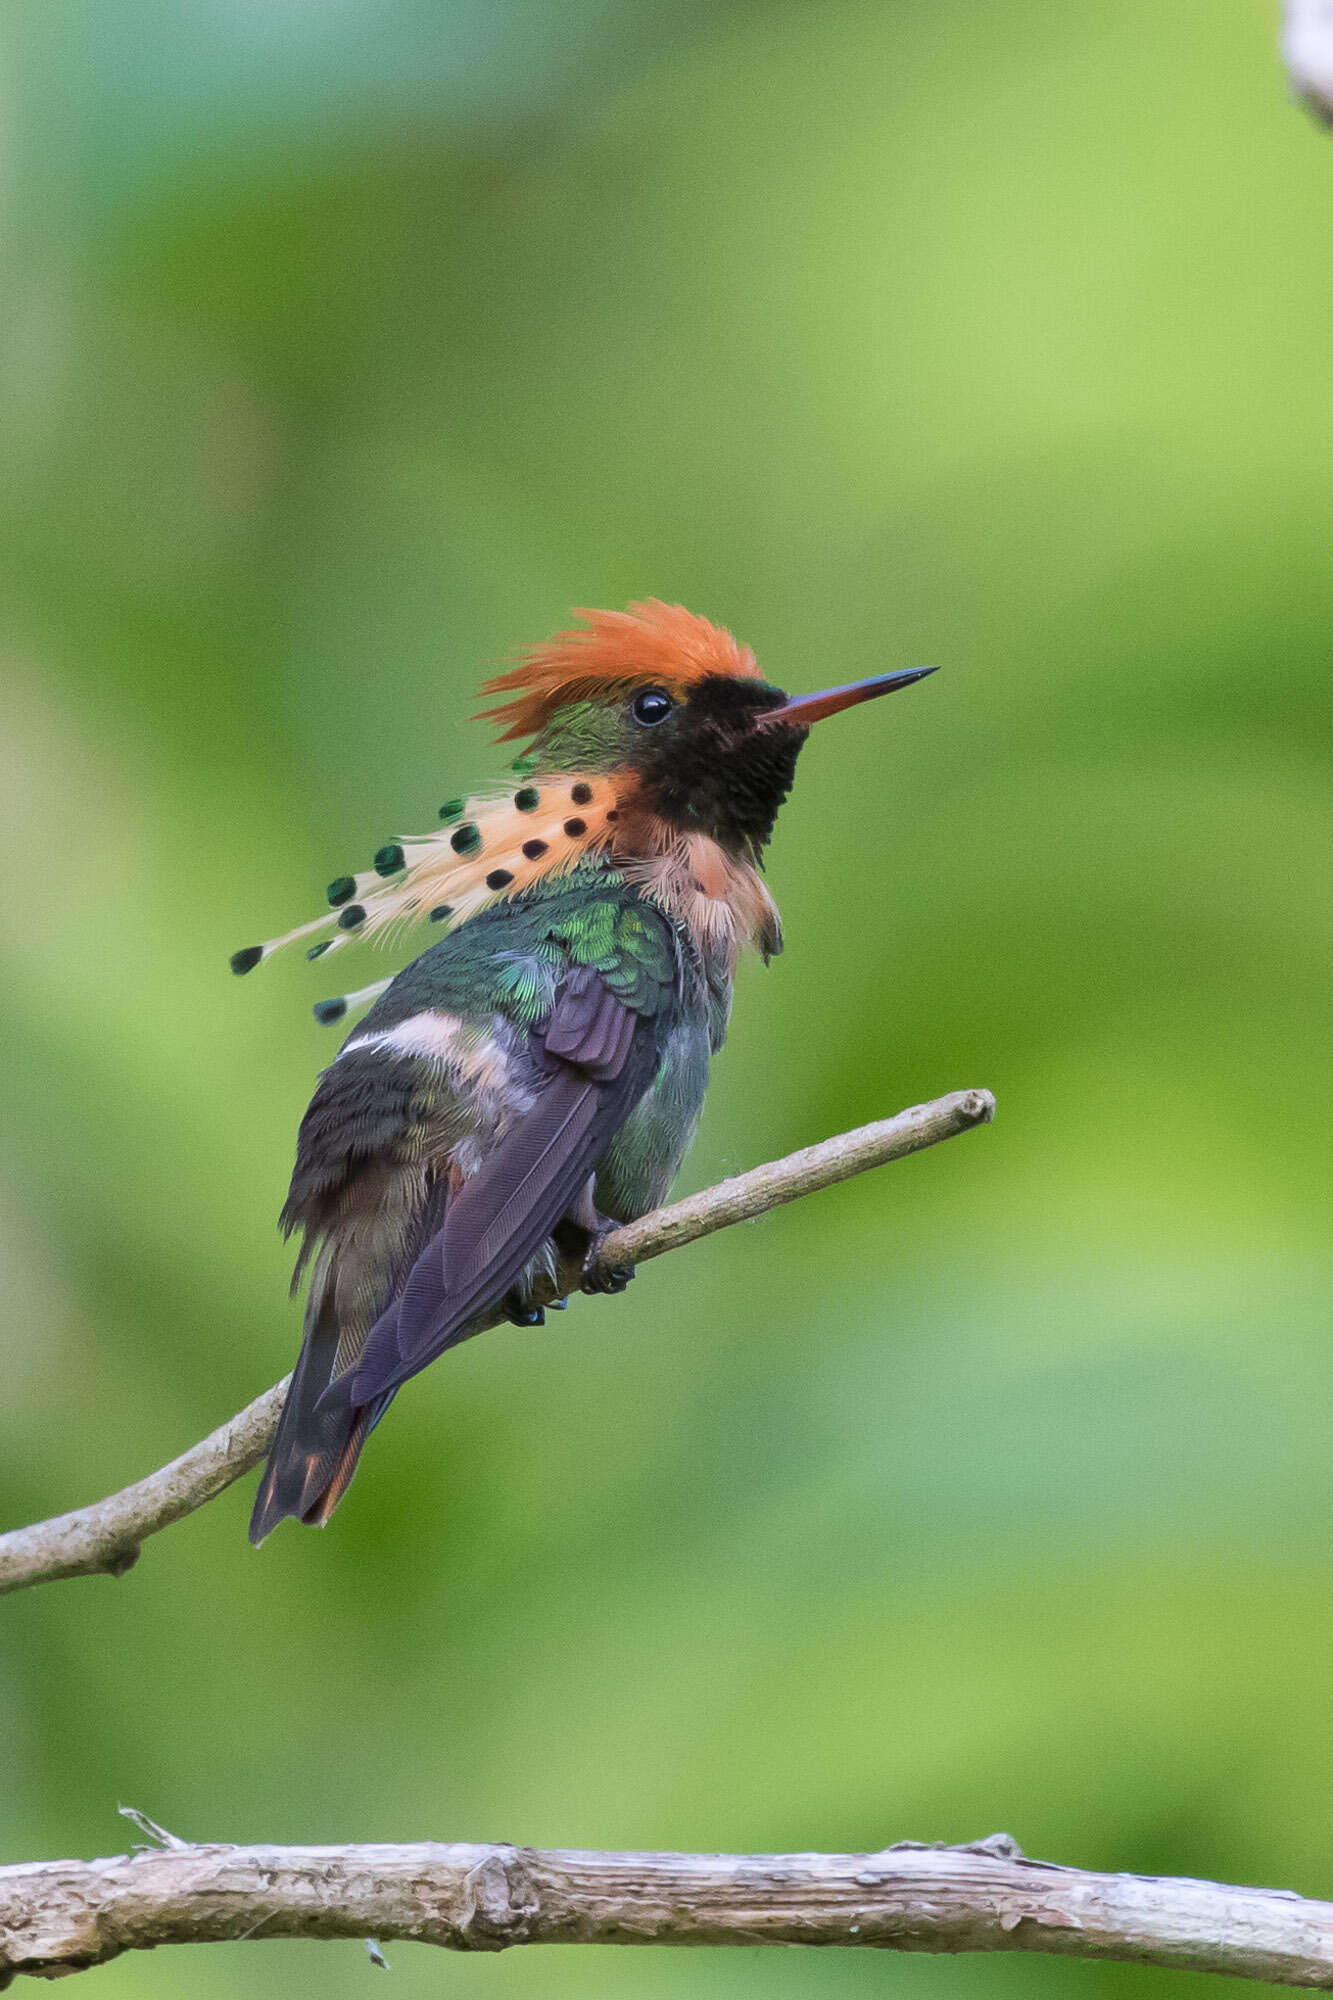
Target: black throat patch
(709, 769)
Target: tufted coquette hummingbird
(536, 1075)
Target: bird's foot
(615, 1279)
(596, 1277)
(519, 1311)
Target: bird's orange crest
(650, 641)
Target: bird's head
(655, 742)
(676, 714)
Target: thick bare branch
(63, 1916)
(105, 1537)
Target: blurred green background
(345, 347)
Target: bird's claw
(608, 1278)
(609, 1282)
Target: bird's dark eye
(651, 706)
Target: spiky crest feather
(649, 641)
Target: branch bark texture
(64, 1916)
(105, 1537)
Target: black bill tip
(803, 709)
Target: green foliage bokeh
(346, 348)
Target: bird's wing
(549, 981)
(597, 1055)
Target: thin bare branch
(105, 1537)
(64, 1916)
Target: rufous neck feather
(721, 899)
